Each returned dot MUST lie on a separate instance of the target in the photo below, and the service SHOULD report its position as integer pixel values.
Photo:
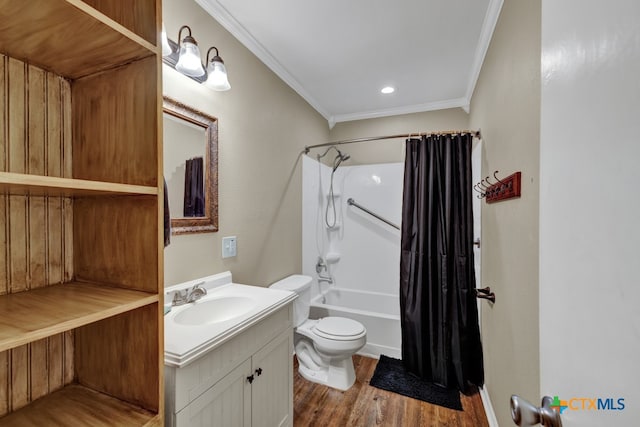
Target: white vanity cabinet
(245, 381)
(272, 390)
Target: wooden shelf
(67, 37)
(39, 313)
(78, 405)
(37, 185)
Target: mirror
(190, 168)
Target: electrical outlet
(229, 247)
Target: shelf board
(67, 37)
(76, 405)
(32, 315)
(37, 185)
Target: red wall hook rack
(504, 189)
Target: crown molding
(486, 33)
(409, 109)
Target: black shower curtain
(439, 317)
(194, 188)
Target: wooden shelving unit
(81, 255)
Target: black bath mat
(390, 375)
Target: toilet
(323, 346)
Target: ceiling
(338, 54)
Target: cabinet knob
(250, 379)
(259, 371)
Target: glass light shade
(166, 49)
(217, 75)
(189, 61)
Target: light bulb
(217, 75)
(189, 60)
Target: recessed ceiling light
(387, 90)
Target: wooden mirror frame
(209, 222)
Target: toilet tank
(301, 285)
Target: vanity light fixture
(217, 72)
(184, 57)
(189, 62)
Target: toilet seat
(339, 329)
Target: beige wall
(263, 126)
(392, 150)
(506, 106)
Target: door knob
(526, 414)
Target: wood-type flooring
(364, 406)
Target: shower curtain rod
(475, 133)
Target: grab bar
(352, 202)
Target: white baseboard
(488, 407)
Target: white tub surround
(362, 253)
(184, 343)
(236, 370)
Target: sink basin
(191, 330)
(215, 310)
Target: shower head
(343, 157)
(339, 159)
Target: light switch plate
(229, 247)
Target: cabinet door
(272, 389)
(226, 404)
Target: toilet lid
(339, 327)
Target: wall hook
(495, 175)
(482, 186)
(488, 183)
(475, 187)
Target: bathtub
(378, 312)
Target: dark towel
(167, 216)
(194, 188)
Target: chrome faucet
(321, 265)
(186, 296)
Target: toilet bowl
(324, 347)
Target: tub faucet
(320, 266)
(327, 279)
(186, 296)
